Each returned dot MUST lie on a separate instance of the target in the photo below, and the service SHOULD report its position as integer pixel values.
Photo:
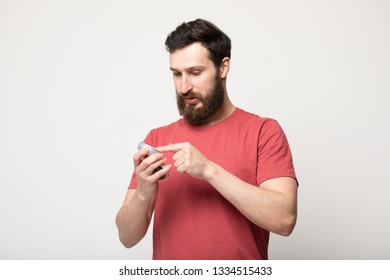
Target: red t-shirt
(191, 219)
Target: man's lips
(191, 100)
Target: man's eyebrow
(189, 68)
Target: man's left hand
(188, 159)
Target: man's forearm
(133, 218)
(272, 207)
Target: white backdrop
(82, 82)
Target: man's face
(199, 87)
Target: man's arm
(272, 205)
(134, 217)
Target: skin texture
(272, 205)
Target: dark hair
(212, 38)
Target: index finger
(171, 147)
(139, 156)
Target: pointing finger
(171, 148)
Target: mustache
(190, 94)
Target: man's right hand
(145, 166)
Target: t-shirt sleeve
(133, 182)
(274, 154)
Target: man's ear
(224, 67)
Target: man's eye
(195, 73)
(176, 74)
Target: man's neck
(225, 111)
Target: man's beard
(211, 103)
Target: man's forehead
(194, 55)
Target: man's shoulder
(254, 119)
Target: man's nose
(185, 84)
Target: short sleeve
(274, 154)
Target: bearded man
(231, 175)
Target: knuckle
(150, 180)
